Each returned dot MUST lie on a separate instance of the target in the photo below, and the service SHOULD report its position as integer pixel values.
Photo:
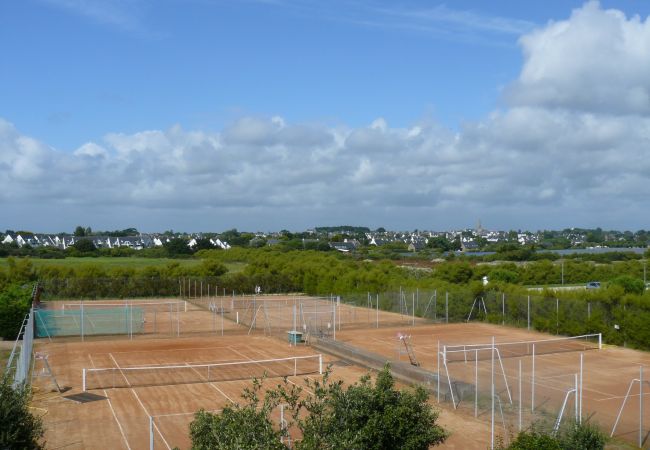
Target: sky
(207, 115)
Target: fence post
(150, 433)
(446, 307)
(529, 313)
(641, 406)
(532, 384)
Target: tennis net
(466, 352)
(173, 306)
(126, 377)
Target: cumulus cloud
(570, 149)
(597, 60)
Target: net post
(600, 341)
(83, 379)
(320, 364)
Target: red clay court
(196, 335)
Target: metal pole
(476, 383)
(532, 384)
(576, 402)
(446, 307)
(377, 310)
(438, 369)
(520, 402)
(492, 397)
(529, 313)
(82, 320)
(413, 309)
(581, 366)
(435, 304)
(221, 316)
(640, 406)
(150, 433)
(334, 314)
(557, 315)
(503, 309)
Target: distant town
(341, 238)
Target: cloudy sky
(204, 115)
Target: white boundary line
(117, 366)
(119, 425)
(211, 384)
(149, 415)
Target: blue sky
(101, 84)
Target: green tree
(177, 247)
(18, 427)
(79, 231)
(14, 305)
(85, 246)
(246, 427)
(363, 415)
(630, 285)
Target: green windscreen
(89, 321)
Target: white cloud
(597, 60)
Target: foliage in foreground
(242, 427)
(18, 427)
(15, 301)
(574, 436)
(360, 416)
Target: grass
(126, 262)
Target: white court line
(213, 386)
(119, 425)
(149, 415)
(171, 350)
(264, 354)
(120, 369)
(620, 396)
(139, 401)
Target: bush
(572, 436)
(361, 416)
(241, 427)
(18, 427)
(15, 302)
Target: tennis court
(206, 342)
(541, 387)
